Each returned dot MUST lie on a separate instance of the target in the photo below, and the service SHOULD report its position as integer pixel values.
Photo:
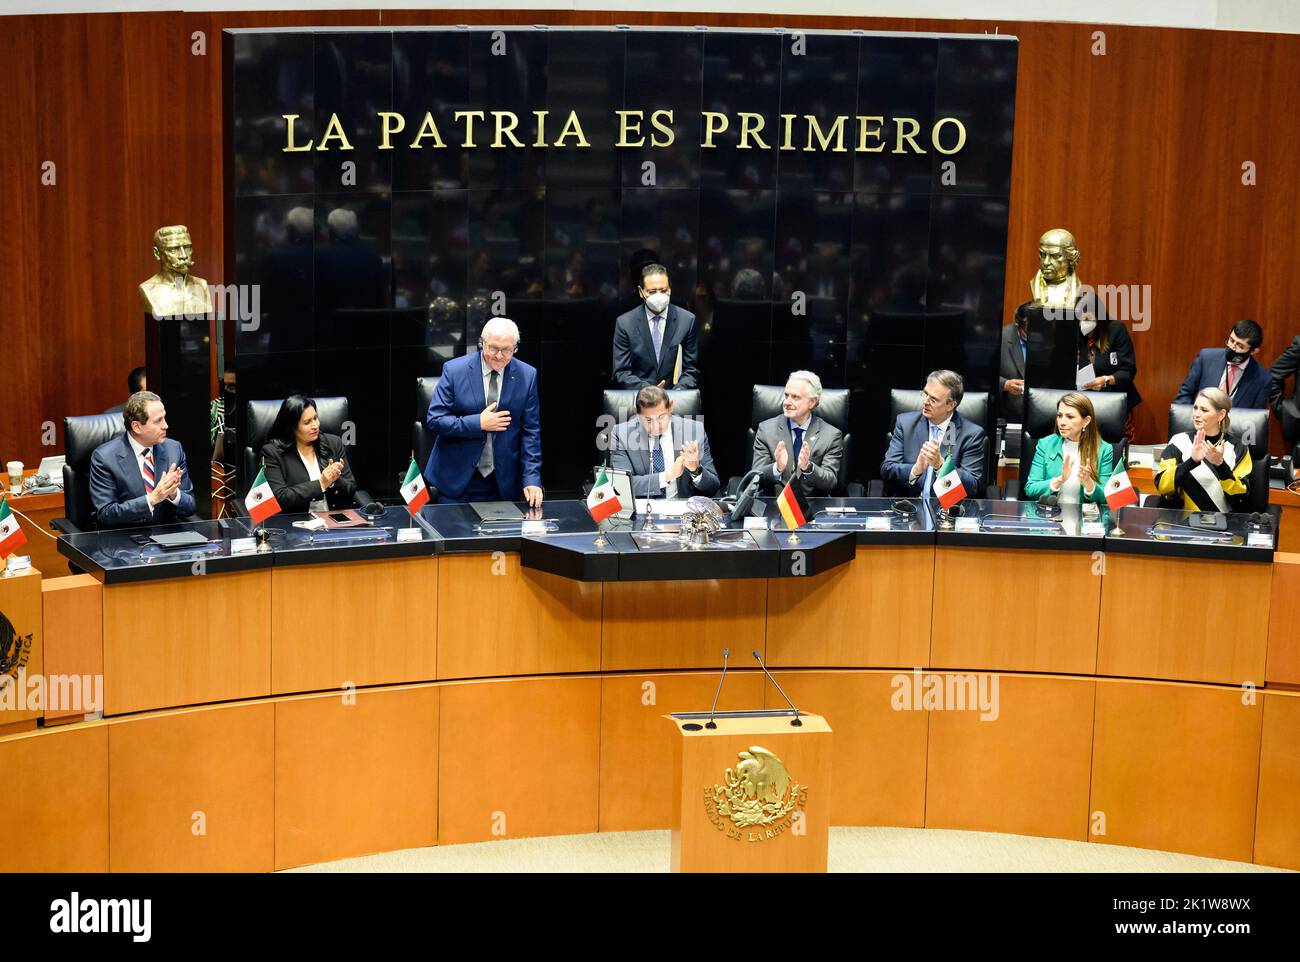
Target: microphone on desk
(794, 721)
(1049, 505)
(726, 654)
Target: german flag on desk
(793, 504)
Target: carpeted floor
(851, 850)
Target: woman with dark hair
(1106, 345)
(304, 467)
(1208, 471)
(1074, 463)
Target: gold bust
(173, 290)
(1056, 284)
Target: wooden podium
(752, 794)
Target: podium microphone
(794, 721)
(726, 654)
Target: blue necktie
(656, 460)
(657, 334)
(928, 477)
(798, 446)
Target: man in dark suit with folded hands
(649, 341)
(487, 418)
(667, 456)
(922, 438)
(140, 478)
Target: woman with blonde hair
(1074, 463)
(1210, 470)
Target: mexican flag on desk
(11, 532)
(1120, 490)
(947, 485)
(414, 491)
(261, 503)
(793, 504)
(603, 500)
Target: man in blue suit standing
(487, 419)
(658, 343)
(140, 478)
(922, 439)
(1231, 368)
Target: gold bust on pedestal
(1056, 284)
(173, 290)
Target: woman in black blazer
(1106, 345)
(304, 467)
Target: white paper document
(1085, 375)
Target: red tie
(148, 470)
(1228, 376)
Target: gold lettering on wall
(947, 136)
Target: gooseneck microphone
(794, 721)
(726, 654)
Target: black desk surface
(561, 540)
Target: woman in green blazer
(1074, 463)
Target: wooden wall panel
(187, 641)
(56, 791)
(1024, 771)
(873, 612)
(1284, 621)
(1154, 623)
(1277, 818)
(1176, 767)
(193, 791)
(519, 758)
(73, 611)
(636, 738)
(645, 623)
(1139, 152)
(496, 617)
(384, 632)
(1037, 610)
(355, 778)
(878, 767)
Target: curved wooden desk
(471, 698)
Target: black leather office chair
(833, 407)
(1111, 409)
(421, 437)
(1250, 426)
(260, 417)
(81, 435)
(975, 406)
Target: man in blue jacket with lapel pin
(140, 478)
(487, 419)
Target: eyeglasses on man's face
(498, 351)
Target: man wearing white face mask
(656, 344)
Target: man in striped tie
(140, 478)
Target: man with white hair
(797, 440)
(487, 419)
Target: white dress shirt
(158, 470)
(669, 488)
(943, 431)
(313, 474)
(1070, 487)
(794, 456)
